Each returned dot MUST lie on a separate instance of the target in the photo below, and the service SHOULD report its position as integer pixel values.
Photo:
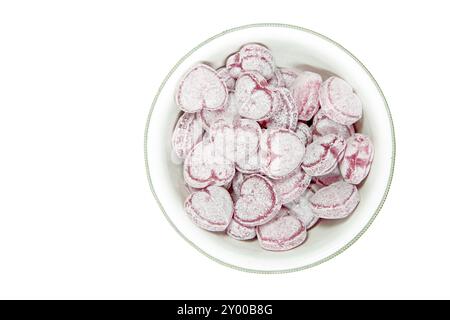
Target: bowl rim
(374, 215)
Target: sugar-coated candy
(233, 65)
(255, 57)
(254, 97)
(357, 160)
(339, 102)
(292, 186)
(228, 113)
(305, 93)
(301, 208)
(284, 114)
(237, 141)
(289, 76)
(204, 167)
(304, 133)
(277, 80)
(249, 164)
(210, 208)
(322, 125)
(187, 133)
(240, 232)
(225, 75)
(323, 155)
(201, 87)
(329, 178)
(281, 152)
(282, 233)
(257, 203)
(336, 201)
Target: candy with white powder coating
(305, 93)
(357, 160)
(304, 133)
(281, 152)
(187, 133)
(257, 58)
(323, 155)
(301, 208)
(292, 186)
(282, 233)
(322, 125)
(240, 232)
(339, 102)
(201, 87)
(210, 209)
(336, 201)
(258, 203)
(254, 97)
(284, 113)
(203, 167)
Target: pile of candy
(268, 151)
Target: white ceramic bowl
(292, 47)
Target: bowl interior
(292, 47)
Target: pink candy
(289, 76)
(250, 164)
(304, 133)
(201, 88)
(233, 65)
(228, 113)
(251, 57)
(225, 75)
(323, 154)
(284, 114)
(204, 167)
(240, 232)
(268, 151)
(336, 201)
(254, 98)
(236, 184)
(301, 208)
(222, 135)
(283, 78)
(237, 141)
(187, 133)
(292, 186)
(281, 152)
(322, 125)
(257, 58)
(305, 91)
(247, 138)
(211, 208)
(329, 178)
(281, 234)
(258, 203)
(357, 160)
(277, 79)
(339, 102)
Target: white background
(77, 218)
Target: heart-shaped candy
(282, 233)
(210, 208)
(205, 167)
(257, 203)
(201, 87)
(253, 96)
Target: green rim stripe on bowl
(345, 247)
